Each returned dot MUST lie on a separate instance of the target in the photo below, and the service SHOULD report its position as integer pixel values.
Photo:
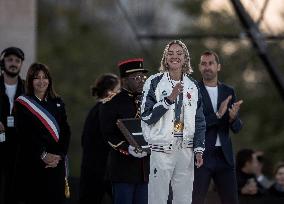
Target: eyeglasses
(139, 78)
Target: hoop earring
(167, 66)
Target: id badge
(10, 121)
(2, 137)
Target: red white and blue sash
(42, 114)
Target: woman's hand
(51, 160)
(175, 92)
(199, 160)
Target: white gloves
(131, 151)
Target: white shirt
(11, 92)
(213, 93)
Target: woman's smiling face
(175, 57)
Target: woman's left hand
(199, 160)
(51, 160)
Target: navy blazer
(220, 126)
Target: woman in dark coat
(44, 139)
(93, 181)
(277, 189)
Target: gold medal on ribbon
(178, 126)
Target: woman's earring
(167, 66)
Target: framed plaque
(132, 131)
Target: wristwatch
(43, 155)
(168, 101)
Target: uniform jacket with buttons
(123, 167)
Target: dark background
(79, 40)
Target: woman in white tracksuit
(173, 124)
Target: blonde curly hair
(186, 67)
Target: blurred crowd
(252, 178)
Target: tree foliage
(242, 68)
(78, 45)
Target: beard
(208, 75)
(11, 74)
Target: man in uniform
(128, 169)
(11, 86)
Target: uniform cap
(130, 66)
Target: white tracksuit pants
(176, 167)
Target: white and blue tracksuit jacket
(158, 116)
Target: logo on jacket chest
(164, 93)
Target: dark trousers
(223, 175)
(126, 193)
(7, 174)
(94, 192)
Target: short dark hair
(209, 52)
(11, 51)
(243, 156)
(103, 84)
(33, 71)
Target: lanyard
(178, 106)
(178, 101)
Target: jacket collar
(206, 97)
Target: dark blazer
(5, 109)
(124, 168)
(34, 181)
(274, 191)
(8, 149)
(220, 126)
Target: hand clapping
(233, 111)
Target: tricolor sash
(42, 114)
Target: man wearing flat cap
(11, 86)
(128, 170)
